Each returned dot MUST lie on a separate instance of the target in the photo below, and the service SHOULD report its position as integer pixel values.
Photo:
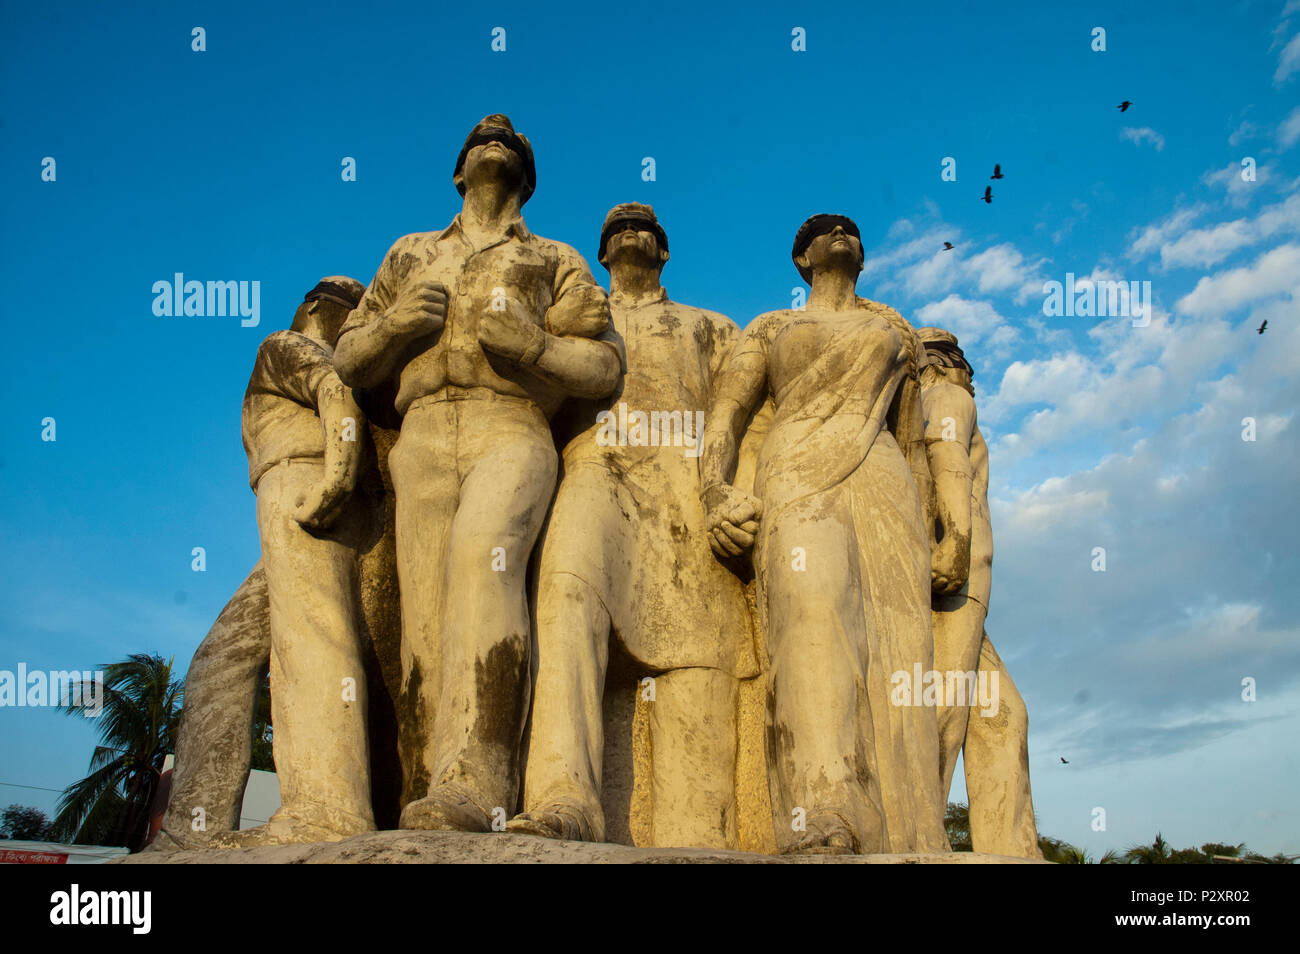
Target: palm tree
(1062, 852)
(137, 728)
(1156, 853)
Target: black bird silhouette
(1123, 107)
(997, 171)
(1263, 326)
(988, 195)
(1064, 762)
(947, 246)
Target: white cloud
(1240, 191)
(1276, 272)
(1288, 131)
(973, 322)
(1209, 246)
(1141, 134)
(1289, 60)
(1154, 236)
(1247, 130)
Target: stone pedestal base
(441, 847)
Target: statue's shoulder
(417, 239)
(893, 315)
(411, 251)
(766, 324)
(706, 317)
(555, 248)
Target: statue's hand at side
(731, 517)
(949, 564)
(342, 426)
(320, 505)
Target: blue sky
(225, 165)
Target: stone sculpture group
(546, 560)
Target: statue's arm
(737, 391)
(949, 428)
(910, 434)
(571, 347)
(732, 514)
(343, 426)
(386, 320)
(293, 366)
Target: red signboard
(13, 856)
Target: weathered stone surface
(838, 526)
(682, 643)
(444, 847)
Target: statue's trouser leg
(566, 736)
(997, 769)
(958, 624)
(822, 759)
(318, 683)
(693, 759)
(473, 536)
(214, 742)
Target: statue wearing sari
(839, 527)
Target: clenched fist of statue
(510, 333)
(319, 507)
(731, 517)
(421, 311)
(949, 564)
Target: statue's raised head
(632, 217)
(498, 128)
(805, 256)
(942, 348)
(326, 307)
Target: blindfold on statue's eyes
(503, 136)
(953, 352)
(630, 225)
(827, 228)
(328, 291)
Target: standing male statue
(996, 744)
(486, 329)
(625, 551)
(305, 438)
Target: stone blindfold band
(332, 292)
(821, 225)
(952, 351)
(494, 134)
(642, 223)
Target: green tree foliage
(24, 823)
(957, 821)
(262, 732)
(137, 729)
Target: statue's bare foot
(445, 808)
(280, 830)
(560, 821)
(827, 834)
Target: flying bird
(1123, 107)
(997, 171)
(948, 247)
(988, 195)
(1064, 761)
(1263, 326)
